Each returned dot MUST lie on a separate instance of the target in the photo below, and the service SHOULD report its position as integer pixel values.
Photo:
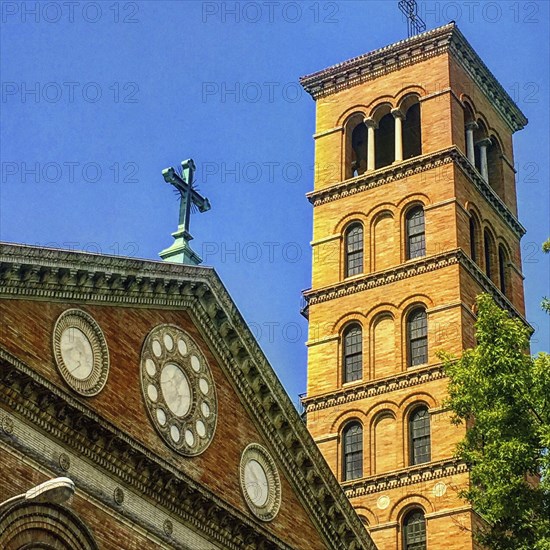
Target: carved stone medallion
(260, 482)
(81, 352)
(178, 389)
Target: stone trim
(382, 526)
(404, 477)
(325, 438)
(324, 340)
(328, 239)
(444, 91)
(509, 163)
(445, 39)
(411, 377)
(444, 307)
(422, 163)
(440, 204)
(328, 132)
(450, 512)
(47, 274)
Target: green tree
(503, 396)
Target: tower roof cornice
(444, 39)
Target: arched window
(412, 133)
(414, 530)
(354, 250)
(488, 250)
(417, 335)
(415, 230)
(473, 239)
(359, 150)
(502, 268)
(353, 451)
(353, 353)
(385, 141)
(495, 167)
(419, 436)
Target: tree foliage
(503, 396)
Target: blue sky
(99, 97)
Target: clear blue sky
(101, 96)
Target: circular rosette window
(260, 482)
(80, 352)
(178, 390)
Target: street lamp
(55, 491)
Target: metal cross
(415, 24)
(188, 195)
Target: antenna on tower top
(415, 24)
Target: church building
(140, 382)
(414, 215)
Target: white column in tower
(399, 117)
(371, 125)
(470, 128)
(483, 144)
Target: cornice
(445, 39)
(48, 274)
(409, 269)
(404, 477)
(416, 165)
(412, 377)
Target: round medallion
(260, 482)
(178, 389)
(439, 489)
(383, 502)
(80, 352)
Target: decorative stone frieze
(407, 476)
(425, 264)
(411, 377)
(416, 165)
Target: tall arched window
(359, 150)
(417, 336)
(354, 250)
(488, 250)
(416, 235)
(412, 132)
(495, 167)
(414, 530)
(419, 436)
(353, 353)
(352, 451)
(502, 268)
(385, 141)
(473, 239)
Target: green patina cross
(180, 251)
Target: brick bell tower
(414, 209)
